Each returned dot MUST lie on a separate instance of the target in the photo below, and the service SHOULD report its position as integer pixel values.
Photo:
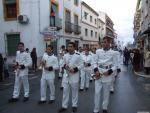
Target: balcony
(77, 29)
(68, 27)
(56, 22)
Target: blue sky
(122, 14)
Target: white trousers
(17, 86)
(50, 83)
(66, 93)
(112, 86)
(60, 72)
(85, 78)
(101, 90)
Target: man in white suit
(23, 61)
(104, 67)
(50, 64)
(72, 65)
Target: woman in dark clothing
(1, 67)
(6, 69)
(136, 60)
(34, 59)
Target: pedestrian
(126, 56)
(72, 65)
(86, 70)
(1, 67)
(6, 68)
(115, 72)
(34, 59)
(136, 60)
(147, 61)
(50, 64)
(103, 69)
(141, 59)
(23, 61)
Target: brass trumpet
(96, 77)
(42, 65)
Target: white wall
(87, 24)
(29, 33)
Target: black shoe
(61, 88)
(41, 101)
(59, 78)
(105, 111)
(74, 109)
(25, 99)
(86, 89)
(90, 80)
(112, 92)
(51, 101)
(95, 112)
(13, 100)
(62, 110)
(81, 90)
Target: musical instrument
(42, 65)
(96, 77)
(16, 66)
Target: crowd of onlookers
(139, 58)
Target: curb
(142, 75)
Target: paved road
(132, 95)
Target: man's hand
(22, 67)
(97, 73)
(71, 70)
(105, 73)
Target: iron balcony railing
(68, 27)
(56, 22)
(77, 29)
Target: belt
(105, 67)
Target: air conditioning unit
(23, 19)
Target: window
(95, 21)
(68, 16)
(10, 9)
(11, 41)
(91, 18)
(76, 2)
(91, 33)
(85, 15)
(86, 32)
(67, 42)
(95, 34)
(75, 19)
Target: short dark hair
(63, 47)
(50, 46)
(21, 43)
(74, 45)
(27, 49)
(107, 38)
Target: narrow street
(131, 96)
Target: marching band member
(103, 69)
(23, 61)
(72, 65)
(50, 64)
(86, 70)
(115, 73)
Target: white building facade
(108, 26)
(38, 23)
(89, 23)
